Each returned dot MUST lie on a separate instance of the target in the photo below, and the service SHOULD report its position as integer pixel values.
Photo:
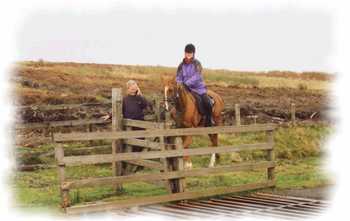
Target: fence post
(238, 115)
(271, 157)
(169, 141)
(292, 113)
(180, 183)
(59, 155)
(117, 126)
(255, 117)
(89, 129)
(162, 141)
(157, 108)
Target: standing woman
(189, 73)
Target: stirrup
(208, 123)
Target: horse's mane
(186, 91)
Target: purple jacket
(190, 75)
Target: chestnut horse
(186, 113)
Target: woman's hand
(138, 91)
(107, 117)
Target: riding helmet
(190, 48)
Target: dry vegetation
(259, 92)
(46, 82)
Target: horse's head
(170, 90)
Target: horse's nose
(166, 106)
(166, 98)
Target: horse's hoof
(212, 161)
(188, 165)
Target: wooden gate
(173, 176)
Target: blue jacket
(190, 75)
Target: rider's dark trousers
(208, 109)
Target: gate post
(271, 157)
(117, 146)
(180, 183)
(59, 155)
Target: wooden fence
(165, 154)
(48, 125)
(51, 127)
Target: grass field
(40, 188)
(299, 166)
(299, 150)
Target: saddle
(199, 103)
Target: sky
(287, 38)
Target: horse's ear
(163, 79)
(167, 79)
(173, 79)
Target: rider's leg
(206, 102)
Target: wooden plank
(150, 117)
(32, 167)
(61, 123)
(162, 132)
(33, 140)
(143, 143)
(62, 106)
(80, 150)
(71, 106)
(140, 124)
(31, 125)
(79, 122)
(147, 163)
(108, 158)
(107, 181)
(74, 151)
(164, 198)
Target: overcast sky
(271, 39)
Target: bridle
(173, 100)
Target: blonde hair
(130, 82)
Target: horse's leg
(187, 140)
(214, 142)
(214, 138)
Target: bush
(302, 86)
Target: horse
(187, 115)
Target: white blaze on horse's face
(166, 88)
